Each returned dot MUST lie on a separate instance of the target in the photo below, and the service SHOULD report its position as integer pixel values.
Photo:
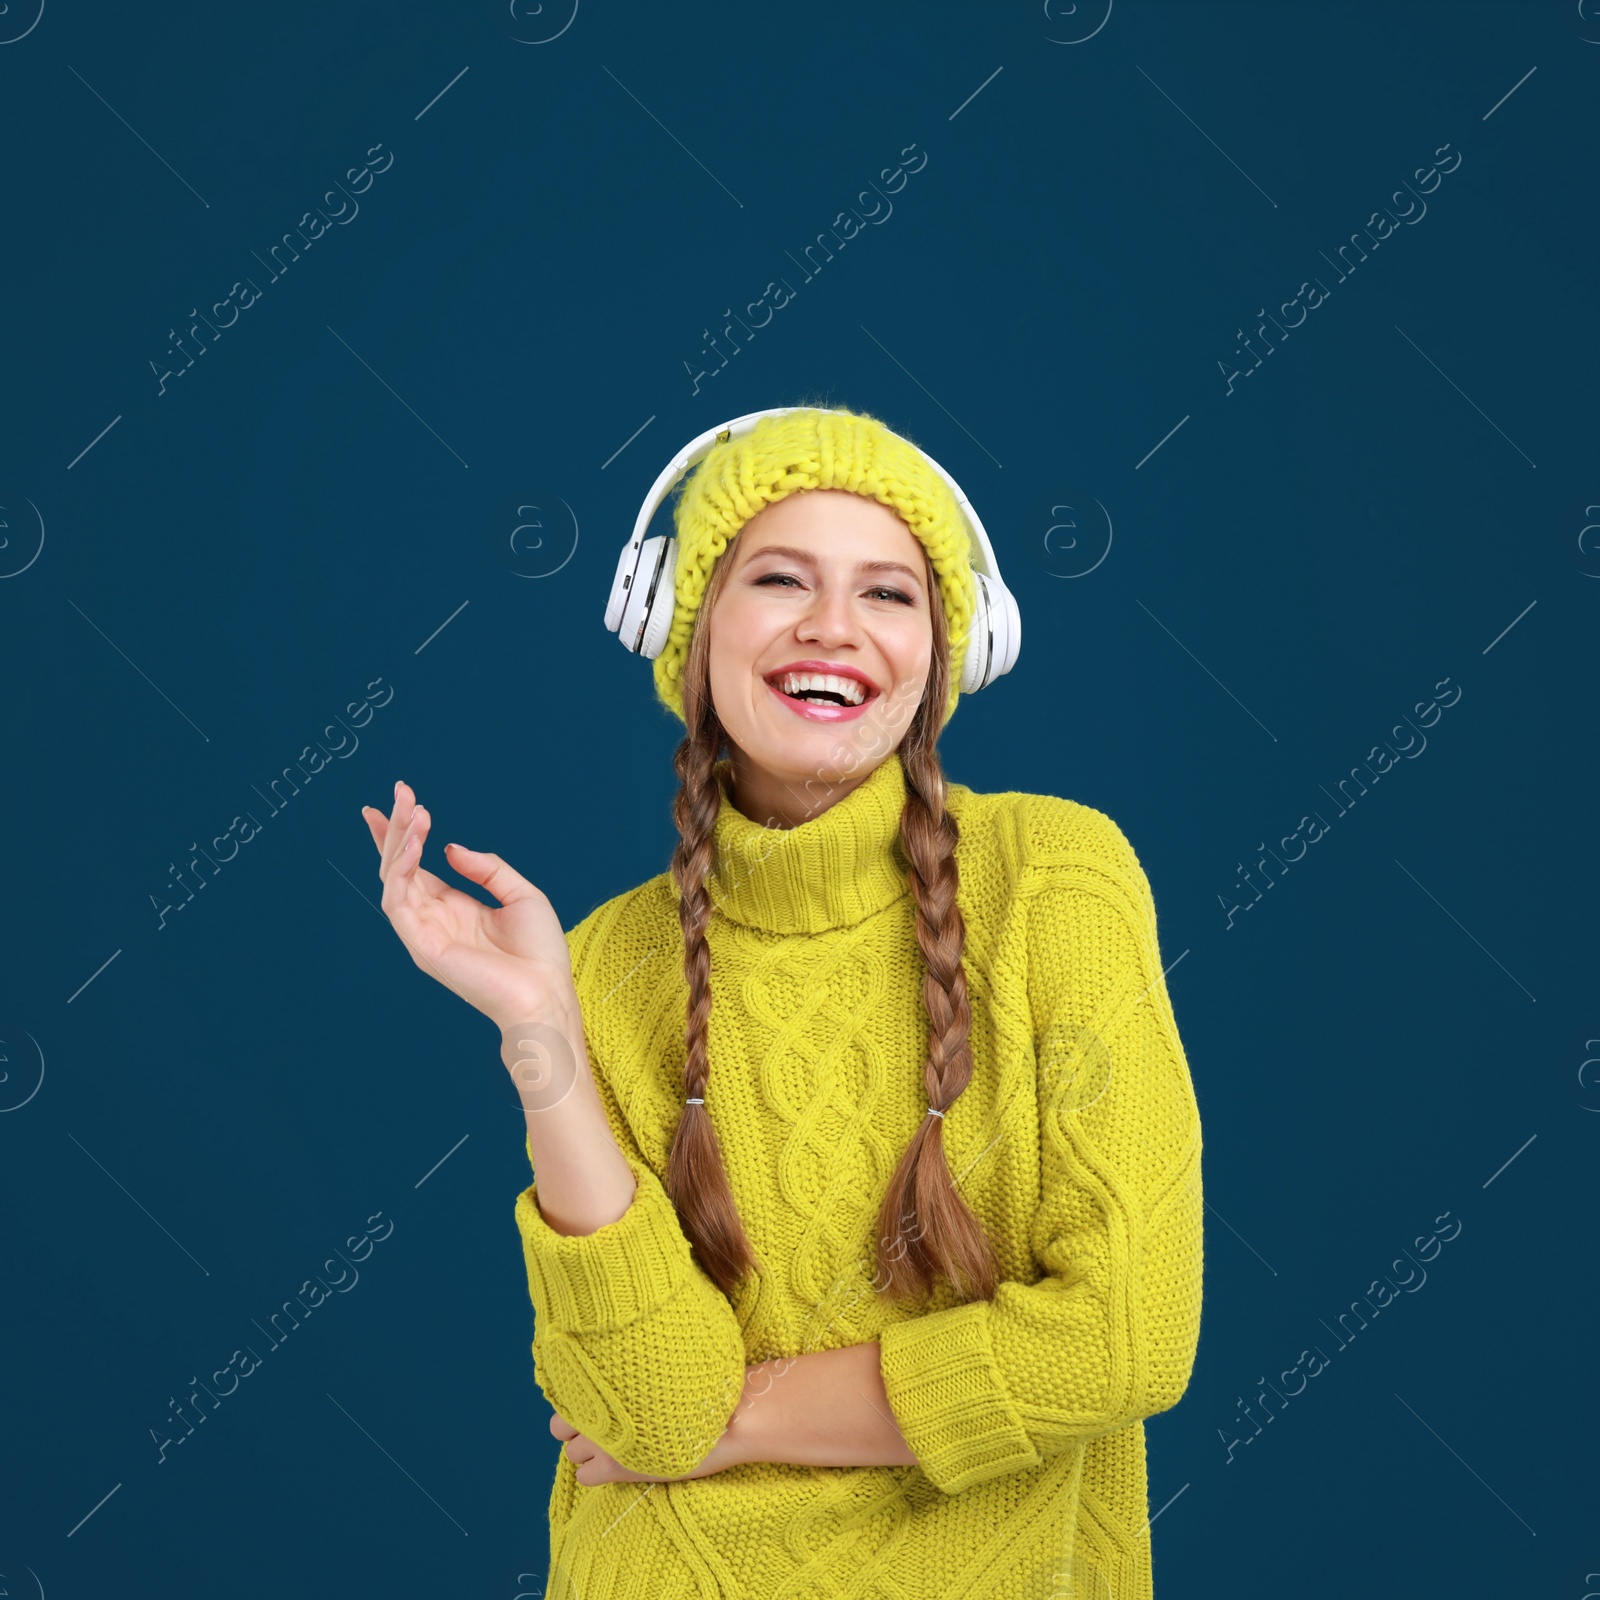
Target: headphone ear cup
(640, 608)
(974, 663)
(1008, 637)
(995, 636)
(617, 600)
(660, 598)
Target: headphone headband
(702, 445)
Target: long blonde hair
(924, 1226)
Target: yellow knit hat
(812, 448)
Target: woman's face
(823, 583)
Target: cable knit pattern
(1076, 1144)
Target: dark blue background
(346, 471)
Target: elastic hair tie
(933, 1113)
(694, 1100)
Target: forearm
(583, 1182)
(824, 1409)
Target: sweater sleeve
(633, 1343)
(1109, 1332)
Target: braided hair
(924, 1226)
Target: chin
(821, 752)
(798, 756)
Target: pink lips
(815, 711)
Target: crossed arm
(828, 1408)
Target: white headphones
(639, 610)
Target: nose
(830, 618)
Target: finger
(561, 1428)
(406, 889)
(405, 803)
(377, 826)
(408, 856)
(488, 870)
(417, 830)
(394, 827)
(397, 896)
(411, 833)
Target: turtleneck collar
(831, 872)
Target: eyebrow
(790, 553)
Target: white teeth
(852, 689)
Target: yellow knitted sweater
(1076, 1144)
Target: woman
(878, 1306)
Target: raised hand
(511, 961)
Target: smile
(822, 696)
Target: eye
(773, 578)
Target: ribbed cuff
(587, 1283)
(947, 1395)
